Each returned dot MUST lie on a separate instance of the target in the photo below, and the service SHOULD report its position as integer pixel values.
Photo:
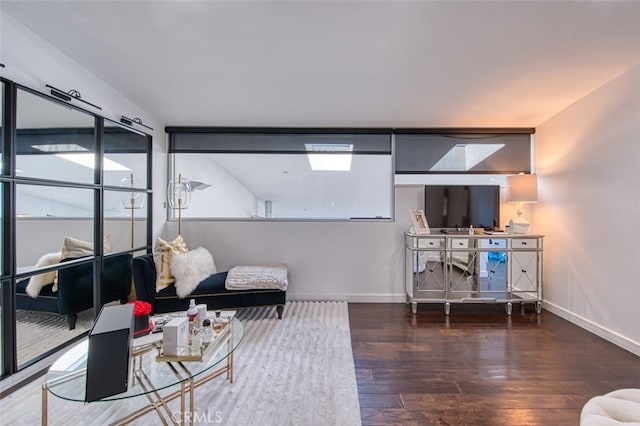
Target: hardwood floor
(479, 366)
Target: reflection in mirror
(53, 141)
(127, 149)
(121, 221)
(285, 186)
(43, 322)
(48, 214)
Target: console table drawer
(460, 243)
(430, 243)
(524, 243)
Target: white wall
(588, 162)
(34, 63)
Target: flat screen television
(462, 206)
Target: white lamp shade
(522, 188)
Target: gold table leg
(44, 404)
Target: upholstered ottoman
(620, 407)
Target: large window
(284, 173)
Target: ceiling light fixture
(130, 121)
(67, 96)
(198, 186)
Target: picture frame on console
(419, 222)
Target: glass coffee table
(152, 375)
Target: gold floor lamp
(132, 200)
(179, 196)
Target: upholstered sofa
(75, 288)
(211, 291)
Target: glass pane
(43, 324)
(125, 155)
(121, 221)
(53, 141)
(46, 215)
(285, 186)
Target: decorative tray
(189, 356)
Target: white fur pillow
(190, 268)
(36, 282)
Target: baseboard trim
(598, 330)
(353, 298)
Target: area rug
(294, 371)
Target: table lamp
(521, 189)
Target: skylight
(328, 157)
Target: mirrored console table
(473, 268)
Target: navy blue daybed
(211, 292)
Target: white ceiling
(333, 63)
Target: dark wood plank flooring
(479, 366)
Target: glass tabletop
(66, 378)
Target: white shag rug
(294, 371)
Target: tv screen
(461, 206)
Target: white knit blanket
(257, 277)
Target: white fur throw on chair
(37, 282)
(190, 268)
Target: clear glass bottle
(217, 323)
(196, 342)
(192, 314)
(206, 332)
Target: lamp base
(518, 225)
